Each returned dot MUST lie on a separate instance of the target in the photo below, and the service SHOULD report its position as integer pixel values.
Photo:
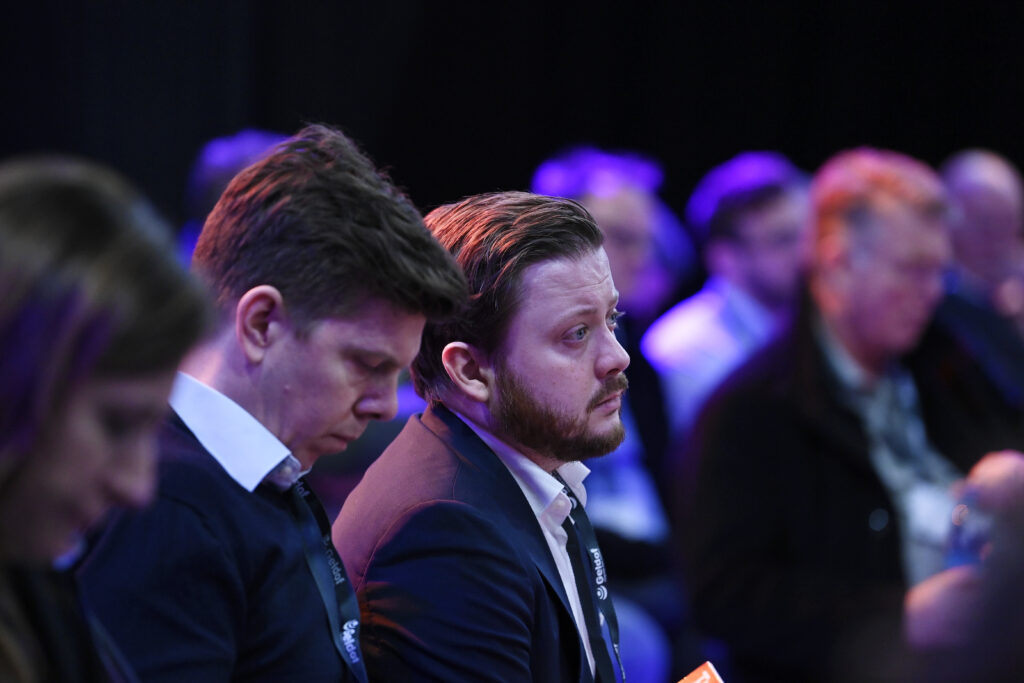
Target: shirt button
(878, 519)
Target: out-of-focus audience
(798, 432)
(967, 623)
(985, 284)
(750, 213)
(95, 315)
(651, 254)
(822, 468)
(986, 223)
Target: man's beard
(530, 424)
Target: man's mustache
(611, 387)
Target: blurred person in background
(967, 622)
(95, 316)
(650, 252)
(985, 286)
(751, 214)
(822, 468)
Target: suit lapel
(817, 390)
(505, 494)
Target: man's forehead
(367, 307)
(552, 288)
(583, 271)
(629, 206)
(909, 218)
(374, 325)
(788, 210)
(906, 231)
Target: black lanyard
(592, 586)
(335, 589)
(117, 667)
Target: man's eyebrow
(587, 309)
(375, 355)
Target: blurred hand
(997, 482)
(942, 610)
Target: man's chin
(597, 444)
(609, 427)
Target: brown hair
(91, 285)
(316, 220)
(494, 238)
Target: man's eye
(613, 319)
(362, 364)
(579, 333)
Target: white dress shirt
(699, 341)
(551, 506)
(246, 449)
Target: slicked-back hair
(319, 222)
(494, 238)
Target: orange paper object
(705, 673)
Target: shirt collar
(851, 375)
(540, 488)
(246, 449)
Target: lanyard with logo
(335, 589)
(592, 585)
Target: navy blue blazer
(210, 582)
(454, 577)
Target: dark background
(457, 98)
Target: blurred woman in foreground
(95, 315)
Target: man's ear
(260, 320)
(469, 370)
(833, 258)
(831, 275)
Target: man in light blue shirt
(750, 214)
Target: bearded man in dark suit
(467, 541)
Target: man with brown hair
(467, 540)
(823, 465)
(324, 275)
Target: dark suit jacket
(991, 339)
(210, 582)
(791, 539)
(454, 577)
